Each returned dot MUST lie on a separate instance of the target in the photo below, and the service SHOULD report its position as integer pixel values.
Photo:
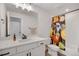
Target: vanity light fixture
(29, 7)
(17, 5)
(26, 6)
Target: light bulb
(16, 4)
(23, 6)
(29, 8)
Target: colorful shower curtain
(57, 32)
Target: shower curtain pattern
(57, 32)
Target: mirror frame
(8, 23)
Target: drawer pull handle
(41, 43)
(4, 54)
(30, 53)
(27, 54)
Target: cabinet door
(38, 51)
(22, 54)
(8, 52)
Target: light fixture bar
(28, 7)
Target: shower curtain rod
(69, 12)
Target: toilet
(53, 49)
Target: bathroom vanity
(18, 24)
(28, 47)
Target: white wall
(2, 23)
(26, 21)
(44, 21)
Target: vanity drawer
(32, 45)
(21, 54)
(7, 52)
(21, 48)
(35, 44)
(42, 42)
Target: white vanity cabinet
(33, 48)
(8, 52)
(21, 50)
(38, 51)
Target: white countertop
(10, 43)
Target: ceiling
(53, 8)
(57, 8)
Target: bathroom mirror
(13, 26)
(24, 19)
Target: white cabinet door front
(38, 51)
(25, 53)
(20, 54)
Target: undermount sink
(23, 40)
(28, 39)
